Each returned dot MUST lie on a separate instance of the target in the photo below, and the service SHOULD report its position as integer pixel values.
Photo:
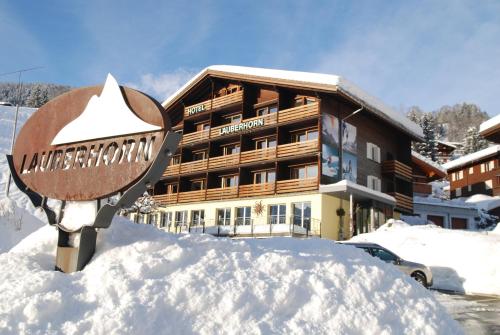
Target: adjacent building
(271, 152)
(476, 173)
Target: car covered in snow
(417, 271)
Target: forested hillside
(32, 94)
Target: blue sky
(425, 53)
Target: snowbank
(463, 261)
(145, 281)
(15, 224)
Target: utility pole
(19, 87)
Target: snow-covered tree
(474, 141)
(428, 147)
(145, 204)
(37, 97)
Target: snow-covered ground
(463, 261)
(145, 281)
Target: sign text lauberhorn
(234, 128)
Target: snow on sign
(90, 143)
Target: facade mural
(330, 151)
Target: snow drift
(145, 281)
(463, 261)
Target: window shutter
(379, 185)
(377, 150)
(369, 150)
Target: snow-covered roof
(428, 161)
(351, 187)
(494, 122)
(448, 144)
(307, 79)
(473, 157)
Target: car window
(383, 255)
(366, 249)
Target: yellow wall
(323, 211)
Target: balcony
(195, 166)
(284, 116)
(253, 190)
(422, 188)
(222, 193)
(223, 161)
(296, 185)
(258, 155)
(403, 201)
(166, 199)
(215, 103)
(195, 137)
(298, 148)
(172, 170)
(397, 168)
(191, 196)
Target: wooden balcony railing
(191, 196)
(298, 113)
(258, 155)
(215, 103)
(398, 168)
(422, 188)
(189, 167)
(172, 170)
(403, 201)
(223, 161)
(298, 148)
(169, 198)
(253, 190)
(222, 193)
(297, 185)
(195, 137)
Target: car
(417, 271)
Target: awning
(345, 188)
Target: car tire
(420, 278)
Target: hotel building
(270, 152)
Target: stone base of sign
(75, 249)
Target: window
(301, 100)
(199, 155)
(277, 214)
(488, 166)
(304, 172)
(263, 143)
(175, 160)
(262, 177)
(197, 217)
(304, 135)
(197, 184)
(374, 183)
(229, 181)
(181, 218)
(267, 110)
(302, 214)
(223, 216)
(458, 192)
(166, 220)
(243, 215)
(471, 170)
(488, 184)
(230, 149)
(153, 219)
(373, 152)
(235, 118)
(384, 255)
(172, 188)
(457, 175)
(203, 126)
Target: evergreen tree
(37, 97)
(474, 141)
(428, 147)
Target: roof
(471, 158)
(346, 186)
(447, 144)
(422, 160)
(490, 124)
(310, 80)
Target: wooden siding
(216, 103)
(403, 201)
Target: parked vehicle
(417, 271)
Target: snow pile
(145, 281)
(482, 201)
(463, 261)
(15, 224)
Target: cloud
(163, 85)
(427, 53)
